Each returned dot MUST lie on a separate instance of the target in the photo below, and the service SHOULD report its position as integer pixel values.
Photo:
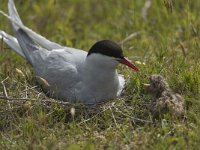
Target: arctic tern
(73, 75)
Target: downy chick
(163, 98)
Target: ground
(161, 36)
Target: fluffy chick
(163, 98)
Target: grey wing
(60, 72)
(32, 51)
(53, 65)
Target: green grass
(125, 122)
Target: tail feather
(17, 23)
(12, 43)
(14, 14)
(26, 41)
(27, 44)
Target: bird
(73, 75)
(164, 100)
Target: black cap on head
(108, 48)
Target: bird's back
(61, 68)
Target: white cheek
(102, 60)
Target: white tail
(11, 42)
(17, 23)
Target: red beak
(128, 63)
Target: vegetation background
(162, 36)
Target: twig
(183, 49)
(5, 79)
(28, 88)
(13, 99)
(168, 5)
(194, 30)
(89, 119)
(5, 90)
(38, 96)
(129, 37)
(145, 9)
(113, 117)
(93, 116)
(25, 99)
(131, 117)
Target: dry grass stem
(168, 4)
(145, 9)
(129, 37)
(183, 49)
(131, 117)
(113, 116)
